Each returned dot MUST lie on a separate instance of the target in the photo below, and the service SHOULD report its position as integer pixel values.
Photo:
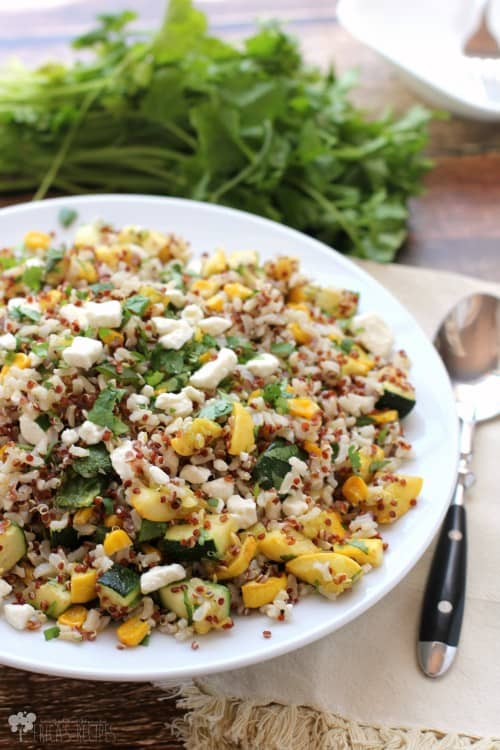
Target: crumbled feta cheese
(18, 615)
(136, 401)
(22, 302)
(243, 258)
(120, 459)
(161, 575)
(218, 488)
(294, 505)
(176, 404)
(5, 589)
(8, 342)
(192, 314)
(176, 333)
(356, 405)
(31, 432)
(87, 235)
(74, 314)
(243, 510)
(210, 375)
(263, 365)
(91, 433)
(83, 352)
(375, 334)
(34, 262)
(69, 436)
(104, 314)
(195, 474)
(215, 325)
(194, 394)
(158, 476)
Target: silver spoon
(469, 344)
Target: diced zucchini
(364, 551)
(329, 572)
(189, 542)
(151, 530)
(400, 397)
(12, 545)
(325, 524)
(396, 497)
(78, 492)
(67, 537)
(53, 598)
(281, 546)
(204, 604)
(119, 589)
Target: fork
(482, 52)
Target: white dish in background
(424, 41)
(432, 428)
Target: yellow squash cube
(83, 586)
(115, 541)
(256, 594)
(242, 436)
(132, 632)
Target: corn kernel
(297, 294)
(83, 586)
(217, 263)
(237, 290)
(312, 448)
(216, 303)
(205, 287)
(50, 299)
(36, 240)
(282, 268)
(112, 520)
(154, 295)
(255, 394)
(132, 631)
(303, 407)
(21, 361)
(298, 333)
(114, 541)
(75, 616)
(205, 357)
(355, 490)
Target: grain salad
(183, 440)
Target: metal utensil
(469, 344)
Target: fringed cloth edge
(216, 722)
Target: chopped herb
(382, 435)
(25, 313)
(213, 502)
(223, 407)
(102, 411)
(346, 345)
(43, 421)
(97, 462)
(82, 294)
(77, 491)
(377, 465)
(32, 277)
(108, 505)
(167, 361)
(154, 378)
(41, 349)
(53, 257)
(363, 421)
(7, 262)
(282, 348)
(50, 633)
(9, 357)
(67, 216)
(101, 287)
(136, 305)
(354, 458)
(335, 451)
(243, 348)
(273, 465)
(126, 375)
(276, 395)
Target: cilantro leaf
(97, 462)
(102, 411)
(223, 407)
(53, 257)
(354, 458)
(67, 216)
(282, 348)
(32, 277)
(136, 305)
(244, 349)
(276, 395)
(41, 349)
(25, 313)
(273, 465)
(377, 465)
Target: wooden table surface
(454, 226)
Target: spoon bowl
(469, 344)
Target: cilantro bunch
(182, 113)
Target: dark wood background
(454, 226)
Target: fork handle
(444, 597)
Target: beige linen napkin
(350, 689)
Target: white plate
(432, 428)
(424, 41)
